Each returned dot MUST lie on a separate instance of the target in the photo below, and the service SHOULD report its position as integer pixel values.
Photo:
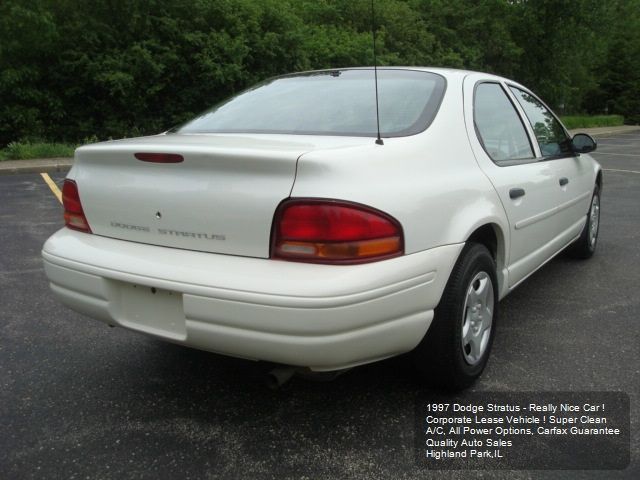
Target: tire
(455, 349)
(585, 246)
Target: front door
(575, 171)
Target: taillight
(333, 231)
(73, 214)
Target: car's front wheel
(585, 246)
(456, 347)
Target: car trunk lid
(220, 198)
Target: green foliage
(619, 73)
(589, 121)
(28, 150)
(70, 68)
(564, 41)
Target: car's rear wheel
(585, 246)
(456, 347)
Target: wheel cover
(594, 220)
(477, 318)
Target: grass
(588, 121)
(28, 150)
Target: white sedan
(277, 226)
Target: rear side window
(549, 133)
(499, 126)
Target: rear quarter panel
(430, 182)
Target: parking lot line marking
(632, 135)
(619, 154)
(616, 170)
(52, 185)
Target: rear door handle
(564, 181)
(516, 193)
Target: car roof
(445, 72)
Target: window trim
(542, 158)
(525, 126)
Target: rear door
(528, 188)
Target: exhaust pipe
(278, 376)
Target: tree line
(72, 69)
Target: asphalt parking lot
(81, 400)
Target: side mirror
(583, 143)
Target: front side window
(338, 102)
(550, 135)
(498, 124)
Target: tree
(71, 69)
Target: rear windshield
(339, 102)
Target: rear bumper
(318, 316)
